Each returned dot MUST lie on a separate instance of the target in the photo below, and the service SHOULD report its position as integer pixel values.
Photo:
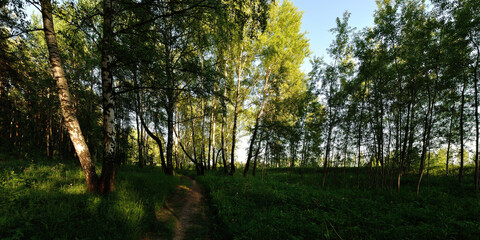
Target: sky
(319, 16)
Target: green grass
(288, 206)
(46, 200)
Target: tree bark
(235, 116)
(108, 167)
(327, 150)
(222, 132)
(68, 111)
(460, 171)
(255, 130)
(159, 143)
(256, 154)
(475, 69)
(449, 140)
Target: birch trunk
(68, 111)
(108, 168)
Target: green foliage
(285, 205)
(45, 200)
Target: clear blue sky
(319, 17)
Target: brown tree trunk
(66, 103)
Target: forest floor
(184, 211)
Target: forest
(122, 119)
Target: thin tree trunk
(66, 103)
(256, 153)
(211, 142)
(359, 140)
(449, 141)
(222, 132)
(235, 116)
(159, 143)
(255, 130)
(139, 125)
(177, 161)
(198, 164)
(404, 149)
(460, 172)
(327, 151)
(475, 69)
(428, 126)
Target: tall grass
(287, 205)
(47, 200)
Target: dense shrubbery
(288, 206)
(49, 201)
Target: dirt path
(185, 210)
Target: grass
(47, 200)
(286, 205)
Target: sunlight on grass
(49, 201)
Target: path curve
(185, 203)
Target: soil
(185, 209)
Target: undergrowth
(46, 200)
(287, 205)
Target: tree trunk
(256, 154)
(108, 168)
(68, 111)
(449, 141)
(460, 171)
(222, 132)
(235, 116)
(327, 150)
(255, 130)
(211, 142)
(475, 69)
(159, 143)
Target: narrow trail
(184, 209)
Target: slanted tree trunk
(66, 104)
(255, 130)
(256, 154)
(426, 138)
(428, 126)
(159, 143)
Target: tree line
(119, 80)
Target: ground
(185, 210)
